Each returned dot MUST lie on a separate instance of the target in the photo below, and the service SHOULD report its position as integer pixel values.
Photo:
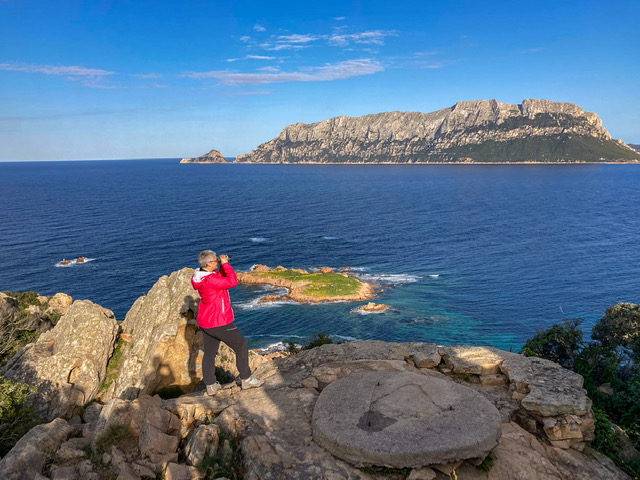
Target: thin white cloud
(326, 73)
(259, 28)
(89, 77)
(282, 46)
(371, 37)
(339, 18)
(259, 57)
(71, 71)
(297, 38)
(269, 69)
(245, 39)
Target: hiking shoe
(251, 382)
(213, 388)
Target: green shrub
(318, 340)
(26, 299)
(612, 358)
(16, 418)
(560, 343)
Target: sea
(464, 254)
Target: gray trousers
(232, 336)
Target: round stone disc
(403, 419)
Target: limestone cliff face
(473, 131)
(214, 156)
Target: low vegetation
(610, 365)
(317, 340)
(16, 418)
(114, 365)
(318, 285)
(226, 463)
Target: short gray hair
(205, 257)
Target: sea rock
(165, 347)
(68, 363)
(372, 307)
(214, 156)
(7, 302)
(26, 460)
(470, 131)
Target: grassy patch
(113, 367)
(227, 460)
(117, 435)
(318, 284)
(487, 463)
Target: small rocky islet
(93, 376)
(320, 285)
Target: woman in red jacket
(215, 318)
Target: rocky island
(480, 131)
(325, 285)
(214, 156)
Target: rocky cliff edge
(542, 419)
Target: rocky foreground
(480, 131)
(106, 421)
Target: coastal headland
(324, 285)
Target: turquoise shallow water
(514, 248)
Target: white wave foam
(393, 279)
(344, 337)
(365, 312)
(258, 239)
(256, 304)
(434, 276)
(327, 237)
(73, 262)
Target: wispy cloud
(371, 37)
(297, 38)
(326, 73)
(259, 28)
(259, 57)
(56, 70)
(531, 50)
(282, 46)
(90, 77)
(339, 18)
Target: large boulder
(28, 457)
(68, 363)
(164, 346)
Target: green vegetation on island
(323, 286)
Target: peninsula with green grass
(319, 286)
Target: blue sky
(149, 79)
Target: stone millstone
(404, 420)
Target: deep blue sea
(468, 254)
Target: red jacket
(215, 307)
